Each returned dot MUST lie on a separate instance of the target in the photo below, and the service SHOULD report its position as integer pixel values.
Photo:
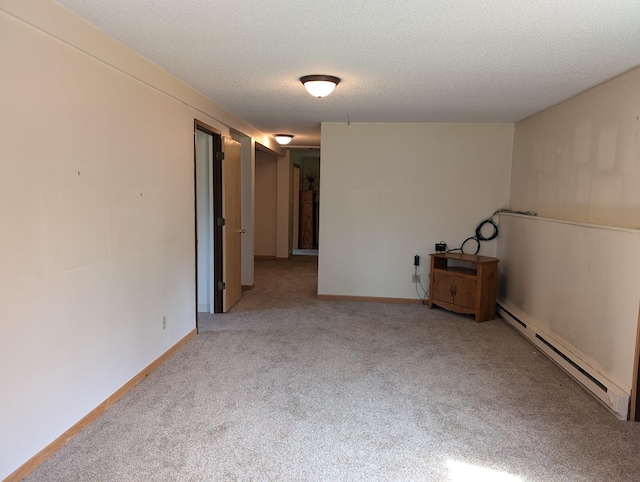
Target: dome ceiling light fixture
(283, 139)
(319, 85)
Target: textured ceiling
(399, 60)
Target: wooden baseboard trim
(248, 287)
(374, 299)
(34, 462)
(634, 409)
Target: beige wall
(97, 216)
(580, 161)
(391, 191)
(272, 205)
(574, 276)
(578, 285)
(266, 209)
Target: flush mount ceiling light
(319, 85)
(283, 139)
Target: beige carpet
(286, 387)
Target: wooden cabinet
(306, 220)
(464, 283)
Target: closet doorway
(218, 228)
(208, 208)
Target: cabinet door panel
(465, 292)
(442, 288)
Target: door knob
(242, 231)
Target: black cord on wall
(426, 292)
(479, 237)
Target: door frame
(217, 212)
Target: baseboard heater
(599, 385)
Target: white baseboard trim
(600, 385)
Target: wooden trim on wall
(197, 124)
(34, 462)
(195, 213)
(634, 409)
(374, 299)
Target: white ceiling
(399, 60)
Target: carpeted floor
(286, 387)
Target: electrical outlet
(164, 322)
(415, 278)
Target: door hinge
(221, 221)
(219, 156)
(222, 285)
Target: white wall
(265, 204)
(581, 160)
(97, 216)
(390, 191)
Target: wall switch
(164, 322)
(415, 278)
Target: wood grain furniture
(306, 220)
(464, 283)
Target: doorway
(218, 227)
(296, 207)
(306, 195)
(208, 208)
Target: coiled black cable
(479, 237)
(470, 238)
